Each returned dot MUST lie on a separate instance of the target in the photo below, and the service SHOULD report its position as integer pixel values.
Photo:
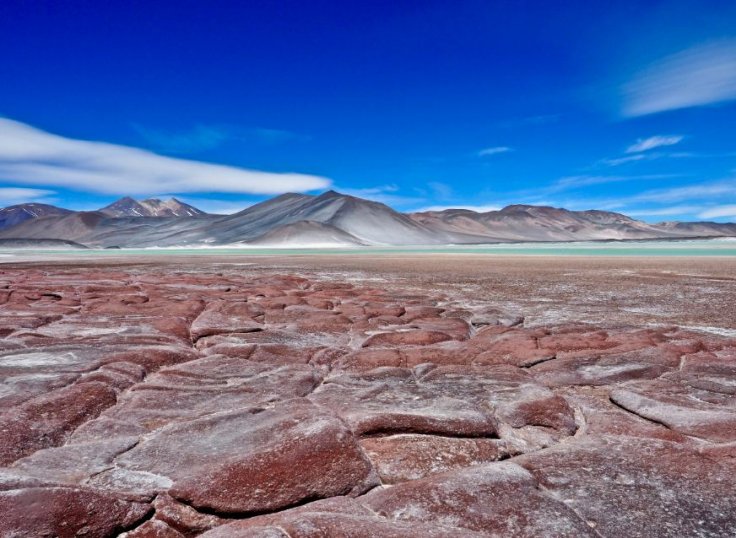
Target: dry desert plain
(368, 396)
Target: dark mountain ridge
(151, 207)
(15, 214)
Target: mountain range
(152, 207)
(328, 219)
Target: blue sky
(626, 106)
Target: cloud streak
(487, 152)
(719, 212)
(646, 144)
(701, 75)
(30, 156)
(18, 195)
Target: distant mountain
(542, 223)
(152, 207)
(700, 228)
(70, 226)
(334, 219)
(306, 233)
(15, 214)
(368, 222)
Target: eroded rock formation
(161, 403)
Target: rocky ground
(225, 400)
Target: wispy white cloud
(656, 155)
(21, 195)
(719, 211)
(625, 160)
(487, 152)
(684, 197)
(701, 75)
(30, 156)
(701, 191)
(646, 144)
(576, 182)
(441, 190)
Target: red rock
(378, 322)
(679, 408)
(420, 311)
(626, 486)
(210, 385)
(445, 353)
(283, 354)
(66, 513)
(323, 321)
(398, 404)
(712, 372)
(490, 315)
(373, 310)
(576, 340)
(48, 420)
(458, 329)
(368, 359)
(406, 338)
(153, 529)
(504, 346)
(50, 360)
(321, 303)
(227, 317)
(499, 499)
(19, 388)
(399, 458)
(270, 303)
(624, 431)
(74, 463)
(515, 397)
(119, 375)
(351, 310)
(601, 417)
(244, 461)
(183, 518)
(338, 516)
(152, 358)
(606, 369)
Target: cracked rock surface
(158, 401)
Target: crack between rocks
(239, 516)
(653, 421)
(533, 363)
(378, 434)
(317, 385)
(148, 517)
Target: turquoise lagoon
(707, 247)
